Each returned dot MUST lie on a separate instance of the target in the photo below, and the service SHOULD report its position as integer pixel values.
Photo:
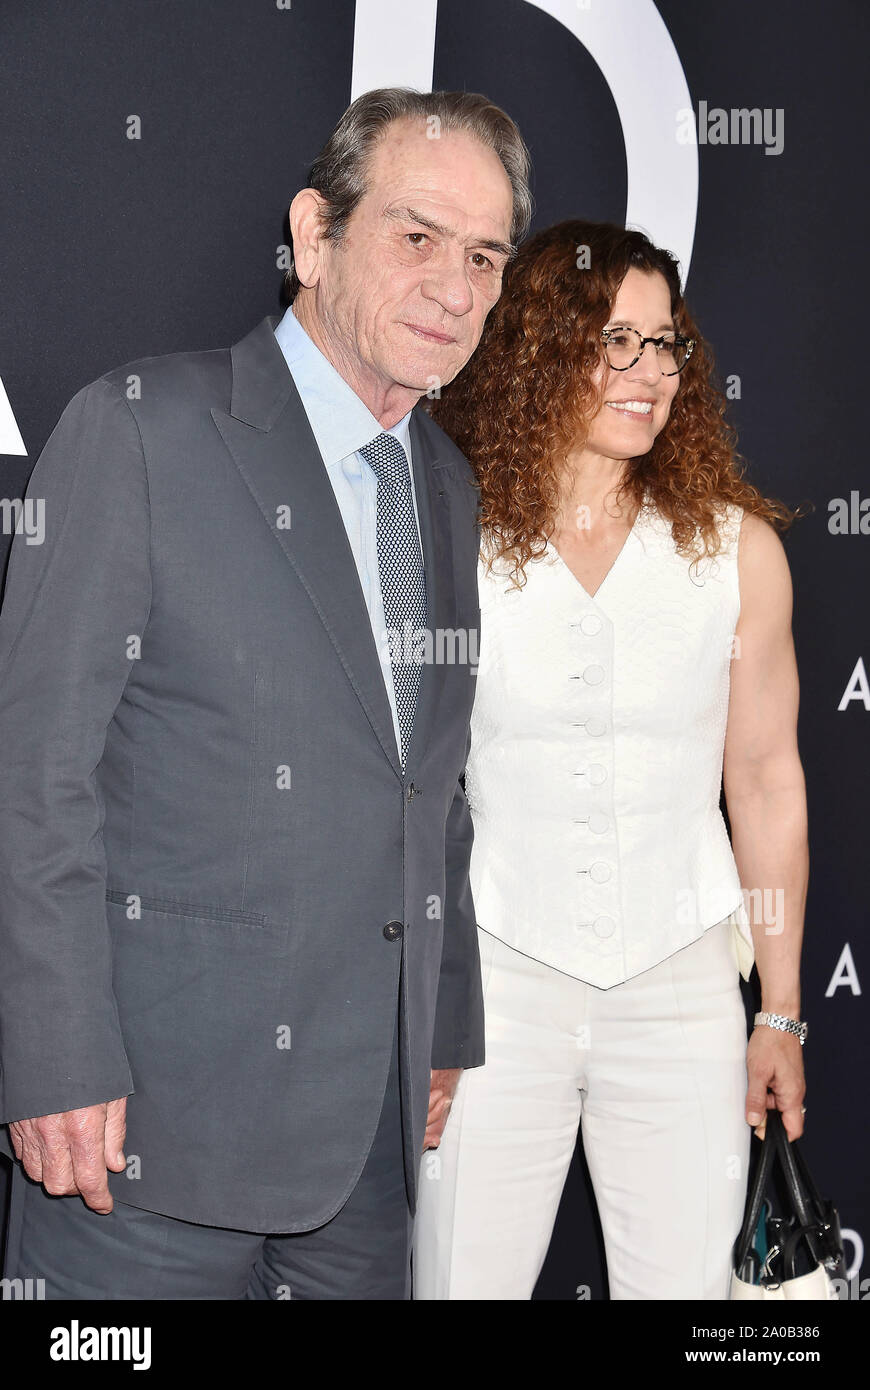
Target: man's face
(408, 288)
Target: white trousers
(653, 1071)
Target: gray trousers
(363, 1252)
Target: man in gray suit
(239, 969)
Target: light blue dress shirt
(342, 424)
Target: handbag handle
(818, 1223)
(804, 1171)
(801, 1193)
(744, 1244)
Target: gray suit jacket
(204, 837)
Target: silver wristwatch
(787, 1025)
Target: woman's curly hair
(522, 400)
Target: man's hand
(442, 1089)
(774, 1061)
(70, 1152)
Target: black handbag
(794, 1256)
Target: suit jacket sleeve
(71, 605)
(458, 1040)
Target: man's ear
(306, 228)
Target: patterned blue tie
(400, 565)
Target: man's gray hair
(339, 172)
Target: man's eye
(420, 234)
(479, 256)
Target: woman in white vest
(635, 640)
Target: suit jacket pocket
(203, 1001)
(135, 904)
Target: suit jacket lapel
(268, 434)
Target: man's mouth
(430, 334)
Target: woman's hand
(775, 1071)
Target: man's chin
(425, 371)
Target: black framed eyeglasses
(624, 346)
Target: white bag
(815, 1285)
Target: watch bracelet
(783, 1024)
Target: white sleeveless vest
(595, 769)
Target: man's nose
(449, 287)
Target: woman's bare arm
(766, 797)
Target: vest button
(599, 872)
(590, 626)
(604, 926)
(393, 931)
(595, 725)
(593, 675)
(598, 823)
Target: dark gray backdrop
(115, 249)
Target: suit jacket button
(393, 931)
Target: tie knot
(387, 460)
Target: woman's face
(637, 401)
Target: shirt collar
(340, 421)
